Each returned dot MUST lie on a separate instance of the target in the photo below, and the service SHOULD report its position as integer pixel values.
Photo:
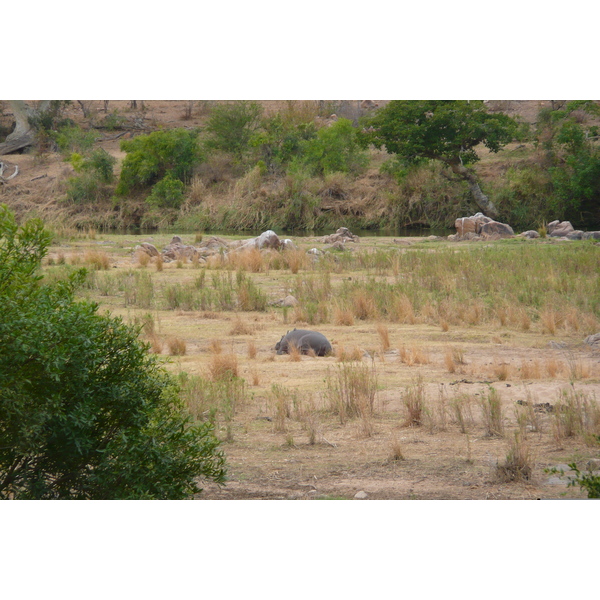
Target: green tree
(151, 157)
(334, 149)
(573, 155)
(444, 130)
(231, 127)
(85, 411)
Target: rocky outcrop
(480, 227)
(177, 250)
(343, 234)
(559, 228)
(531, 234)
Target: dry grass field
(441, 353)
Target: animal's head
(278, 344)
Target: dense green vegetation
(409, 163)
(85, 411)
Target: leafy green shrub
(334, 149)
(96, 173)
(86, 412)
(167, 193)
(74, 139)
(150, 157)
(232, 126)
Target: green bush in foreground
(85, 411)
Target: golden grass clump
(223, 366)
(501, 370)
(143, 258)
(530, 369)
(363, 305)
(402, 310)
(98, 259)
(240, 327)
(343, 355)
(396, 451)
(384, 337)
(159, 263)
(294, 353)
(414, 403)
(177, 346)
(343, 316)
(216, 346)
(414, 355)
(296, 259)
(252, 350)
(156, 344)
(518, 465)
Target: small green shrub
(167, 193)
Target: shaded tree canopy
(85, 411)
(445, 130)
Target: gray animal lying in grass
(305, 340)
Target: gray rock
(362, 495)
(591, 235)
(531, 234)
(593, 340)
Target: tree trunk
(23, 134)
(485, 204)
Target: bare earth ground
(439, 462)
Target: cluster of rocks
(177, 250)
(480, 227)
(564, 229)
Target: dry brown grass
(159, 263)
(530, 369)
(223, 366)
(177, 346)
(216, 346)
(156, 344)
(363, 305)
(384, 337)
(240, 327)
(296, 259)
(402, 310)
(519, 463)
(396, 451)
(414, 403)
(343, 355)
(252, 350)
(294, 354)
(97, 259)
(501, 370)
(415, 355)
(343, 316)
(143, 258)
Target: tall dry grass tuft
(252, 350)
(240, 327)
(413, 356)
(363, 305)
(414, 402)
(343, 316)
(396, 451)
(97, 259)
(576, 414)
(223, 366)
(501, 370)
(281, 399)
(491, 409)
(296, 259)
(177, 346)
(402, 310)
(216, 346)
(143, 258)
(384, 337)
(453, 357)
(294, 354)
(519, 463)
(461, 408)
(530, 369)
(351, 390)
(355, 354)
(159, 263)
